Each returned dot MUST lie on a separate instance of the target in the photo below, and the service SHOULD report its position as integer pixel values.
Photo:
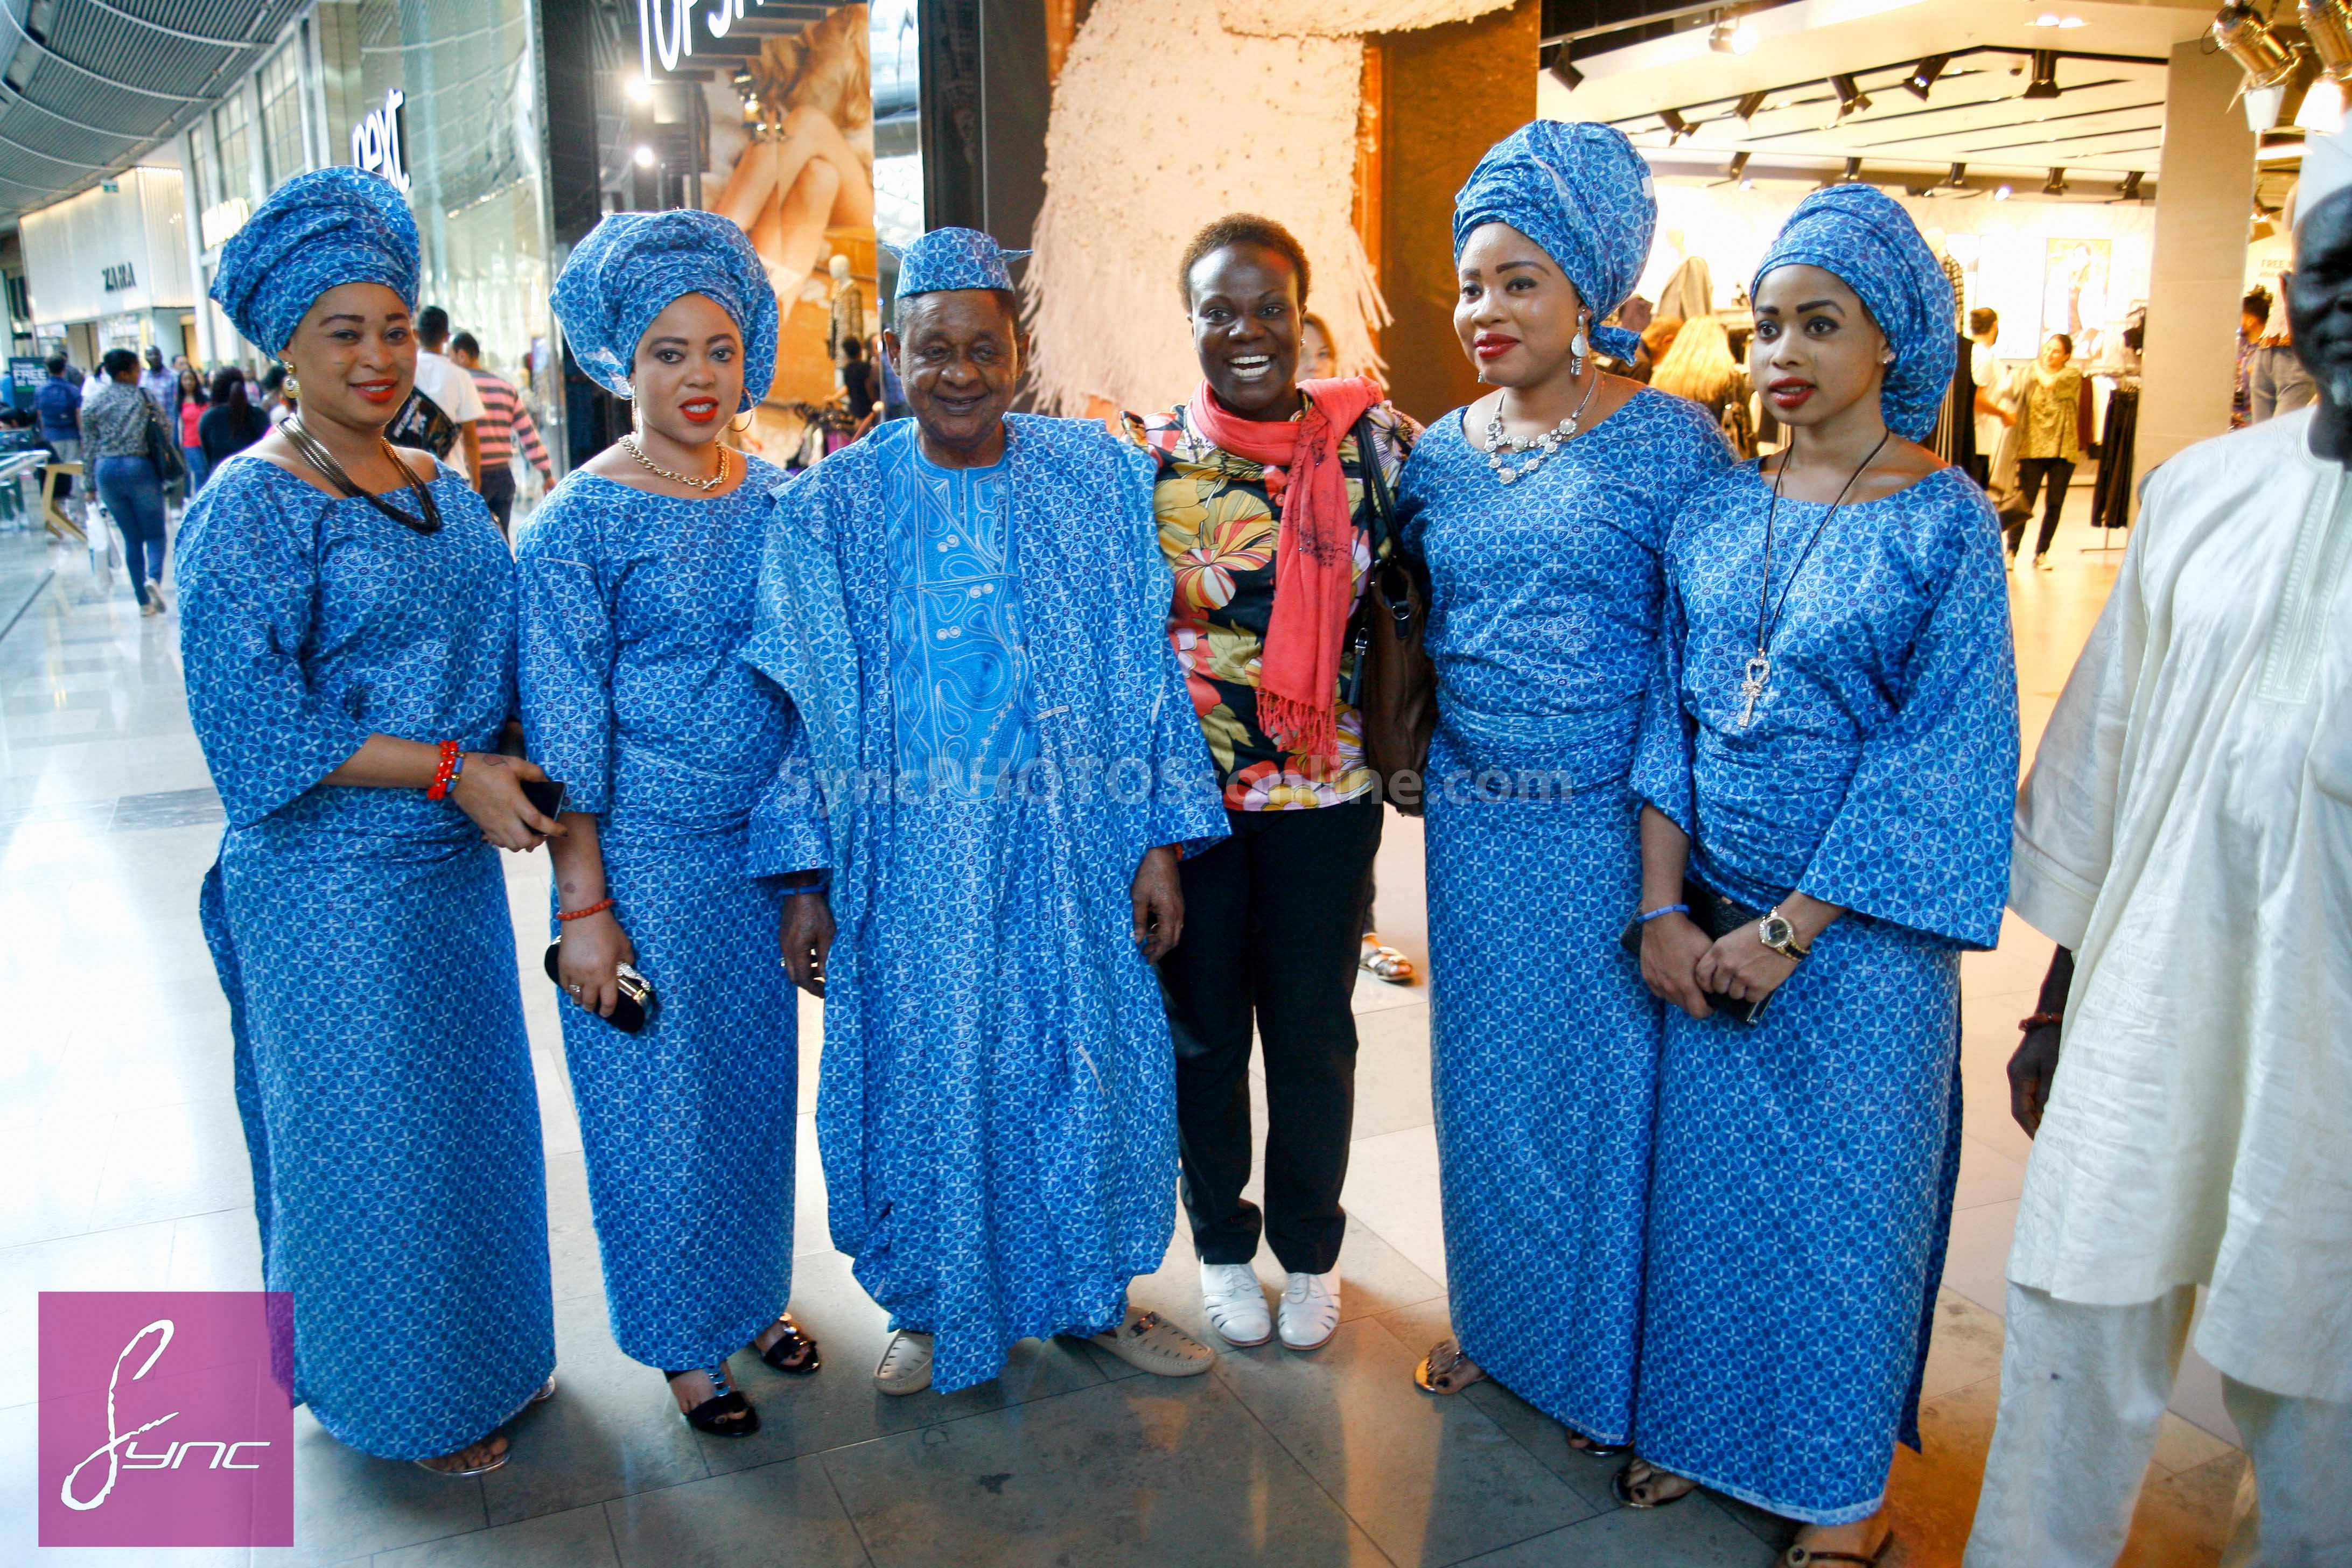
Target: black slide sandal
(790, 1345)
(726, 1414)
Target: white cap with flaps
(2326, 169)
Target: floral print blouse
(1218, 528)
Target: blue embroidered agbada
(1803, 1183)
(361, 935)
(1543, 625)
(1001, 733)
(635, 611)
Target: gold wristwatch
(1775, 932)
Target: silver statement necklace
(1502, 448)
(1759, 663)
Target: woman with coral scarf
(1268, 525)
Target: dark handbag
(164, 454)
(422, 426)
(1719, 917)
(1393, 687)
(633, 1009)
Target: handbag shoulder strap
(1376, 482)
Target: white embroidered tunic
(2187, 830)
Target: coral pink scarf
(1315, 556)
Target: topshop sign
(666, 28)
(375, 141)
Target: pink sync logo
(160, 1422)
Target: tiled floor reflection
(123, 1167)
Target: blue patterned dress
(1544, 1041)
(1802, 1185)
(634, 611)
(362, 938)
(1001, 732)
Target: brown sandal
(1805, 1556)
(1436, 1373)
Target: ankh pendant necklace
(1758, 670)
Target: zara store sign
(375, 141)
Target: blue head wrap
(1582, 192)
(632, 266)
(318, 231)
(948, 259)
(1859, 234)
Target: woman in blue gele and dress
(1541, 511)
(1833, 752)
(347, 625)
(637, 581)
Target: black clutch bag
(1712, 914)
(637, 1005)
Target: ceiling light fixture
(1923, 75)
(2053, 19)
(2130, 190)
(1853, 172)
(2328, 24)
(2322, 107)
(645, 156)
(2246, 39)
(1732, 35)
(1851, 99)
(2046, 76)
(2000, 193)
(1956, 176)
(1563, 68)
(639, 90)
(1746, 107)
(2264, 106)
(2055, 185)
(1676, 126)
(1738, 167)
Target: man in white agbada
(2186, 837)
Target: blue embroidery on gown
(1802, 1185)
(634, 611)
(362, 938)
(996, 1108)
(1543, 625)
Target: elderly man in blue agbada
(968, 610)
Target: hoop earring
(746, 416)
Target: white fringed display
(1347, 18)
(1163, 119)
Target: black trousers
(498, 494)
(1272, 917)
(2030, 473)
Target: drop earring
(293, 388)
(1579, 346)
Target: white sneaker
(1310, 1311)
(1235, 1303)
(1151, 1342)
(906, 1364)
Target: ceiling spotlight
(2055, 19)
(644, 156)
(2246, 39)
(1732, 35)
(2046, 76)
(1563, 68)
(1956, 176)
(1923, 75)
(2055, 185)
(2000, 193)
(2328, 24)
(2131, 192)
(1738, 169)
(1676, 126)
(2262, 106)
(639, 90)
(1853, 172)
(1746, 107)
(1851, 99)
(2322, 107)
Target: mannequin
(848, 309)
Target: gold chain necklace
(706, 486)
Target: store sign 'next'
(375, 141)
(119, 276)
(666, 28)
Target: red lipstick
(702, 410)
(1493, 345)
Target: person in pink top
(191, 413)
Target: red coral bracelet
(453, 762)
(2040, 1021)
(598, 908)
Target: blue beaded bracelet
(1649, 915)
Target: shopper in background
(1832, 743)
(504, 422)
(970, 611)
(347, 625)
(1316, 362)
(2053, 423)
(161, 385)
(452, 391)
(277, 395)
(1277, 912)
(2276, 381)
(2187, 1073)
(230, 422)
(190, 424)
(115, 420)
(1542, 511)
(1992, 415)
(58, 402)
(2254, 320)
(859, 384)
(1699, 367)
